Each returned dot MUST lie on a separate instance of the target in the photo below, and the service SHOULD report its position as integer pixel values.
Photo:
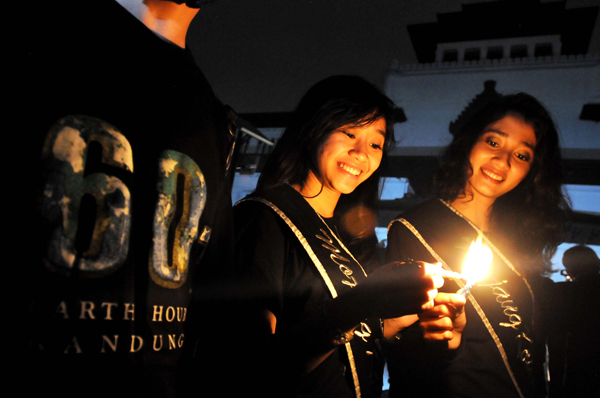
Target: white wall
(433, 95)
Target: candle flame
(477, 263)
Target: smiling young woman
(500, 180)
(500, 159)
(306, 294)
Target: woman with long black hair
(315, 318)
(500, 180)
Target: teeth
(349, 169)
(492, 175)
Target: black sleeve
(269, 266)
(260, 256)
(403, 244)
(259, 261)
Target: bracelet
(342, 337)
(334, 335)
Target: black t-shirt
(475, 369)
(277, 274)
(134, 223)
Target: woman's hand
(394, 290)
(392, 326)
(446, 320)
(399, 289)
(437, 273)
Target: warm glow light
(477, 263)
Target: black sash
(337, 266)
(503, 300)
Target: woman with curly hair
(500, 180)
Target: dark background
(262, 55)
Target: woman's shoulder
(265, 217)
(262, 238)
(432, 223)
(251, 215)
(428, 210)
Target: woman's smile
(492, 175)
(501, 158)
(349, 169)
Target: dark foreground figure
(133, 205)
(575, 352)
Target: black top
(278, 275)
(135, 221)
(477, 368)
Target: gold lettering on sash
(364, 332)
(524, 336)
(514, 319)
(348, 272)
(526, 357)
(502, 297)
(500, 293)
(337, 258)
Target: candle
(437, 270)
(476, 265)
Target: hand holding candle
(437, 270)
(447, 319)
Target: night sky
(262, 55)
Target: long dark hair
(330, 104)
(532, 218)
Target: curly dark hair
(533, 217)
(330, 104)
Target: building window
(472, 54)
(543, 49)
(496, 52)
(518, 51)
(450, 56)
